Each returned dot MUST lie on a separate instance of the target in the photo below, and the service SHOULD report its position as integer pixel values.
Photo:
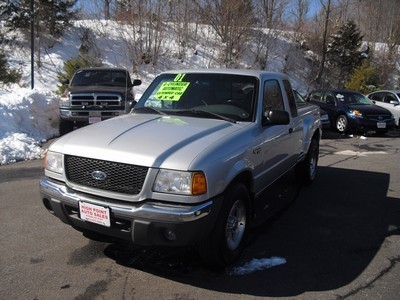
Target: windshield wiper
(205, 113)
(150, 109)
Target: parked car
(351, 111)
(301, 101)
(389, 100)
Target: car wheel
(381, 132)
(65, 127)
(306, 170)
(228, 237)
(341, 123)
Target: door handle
(290, 130)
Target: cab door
(274, 144)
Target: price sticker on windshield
(171, 91)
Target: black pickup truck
(96, 94)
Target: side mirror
(136, 82)
(65, 82)
(394, 102)
(275, 117)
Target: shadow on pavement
(328, 236)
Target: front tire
(229, 235)
(341, 124)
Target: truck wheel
(228, 238)
(306, 170)
(65, 127)
(341, 123)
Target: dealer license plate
(94, 120)
(381, 125)
(95, 213)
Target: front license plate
(381, 125)
(95, 213)
(94, 120)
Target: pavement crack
(393, 262)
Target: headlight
(180, 182)
(356, 113)
(53, 162)
(65, 102)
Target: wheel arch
(246, 178)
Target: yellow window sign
(172, 91)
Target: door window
(272, 96)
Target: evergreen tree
(364, 79)
(72, 65)
(343, 50)
(51, 16)
(7, 75)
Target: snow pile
(258, 265)
(27, 118)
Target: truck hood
(148, 140)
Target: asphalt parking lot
(340, 238)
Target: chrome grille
(96, 99)
(378, 118)
(120, 178)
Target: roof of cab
(256, 73)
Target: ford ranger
(96, 94)
(187, 165)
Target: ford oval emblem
(99, 175)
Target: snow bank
(27, 118)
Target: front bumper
(85, 116)
(145, 223)
(366, 124)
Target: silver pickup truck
(187, 165)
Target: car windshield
(352, 98)
(203, 95)
(100, 78)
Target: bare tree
(269, 14)
(327, 11)
(181, 14)
(146, 19)
(107, 4)
(379, 23)
(232, 21)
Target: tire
(306, 171)
(341, 124)
(65, 127)
(229, 235)
(381, 132)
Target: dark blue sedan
(351, 111)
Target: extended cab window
(272, 96)
(291, 97)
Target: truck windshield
(101, 78)
(227, 95)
